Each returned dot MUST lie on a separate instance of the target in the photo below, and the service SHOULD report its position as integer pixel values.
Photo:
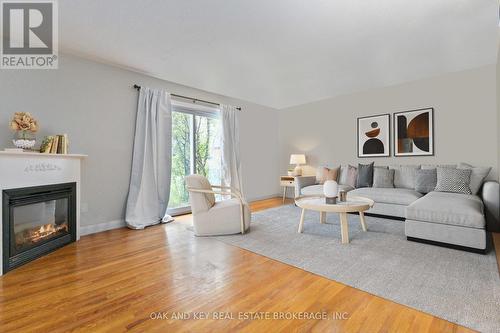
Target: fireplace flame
(37, 234)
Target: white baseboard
(265, 197)
(94, 228)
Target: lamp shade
(330, 188)
(297, 159)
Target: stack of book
(55, 144)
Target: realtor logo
(29, 34)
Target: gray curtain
(151, 161)
(231, 163)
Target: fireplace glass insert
(37, 220)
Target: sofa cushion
(453, 180)
(365, 175)
(318, 189)
(383, 178)
(464, 210)
(477, 176)
(404, 175)
(398, 196)
(425, 180)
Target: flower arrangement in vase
(24, 126)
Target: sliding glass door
(196, 148)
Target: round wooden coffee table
(353, 204)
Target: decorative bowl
(24, 143)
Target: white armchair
(212, 218)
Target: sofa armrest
(491, 199)
(303, 181)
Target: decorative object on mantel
(330, 189)
(24, 126)
(55, 144)
(297, 159)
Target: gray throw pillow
(365, 175)
(425, 180)
(477, 177)
(404, 176)
(453, 180)
(383, 178)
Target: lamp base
(331, 201)
(297, 171)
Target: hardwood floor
(123, 280)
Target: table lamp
(297, 159)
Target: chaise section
(448, 208)
(451, 218)
(472, 238)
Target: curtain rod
(186, 97)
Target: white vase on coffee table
(330, 189)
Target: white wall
(96, 105)
(465, 119)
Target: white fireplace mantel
(18, 170)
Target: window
(196, 148)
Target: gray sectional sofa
(455, 219)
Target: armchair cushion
(222, 219)
(200, 202)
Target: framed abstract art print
(374, 136)
(414, 132)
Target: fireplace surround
(60, 221)
(36, 221)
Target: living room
(250, 166)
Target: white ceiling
(282, 53)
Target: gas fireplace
(37, 220)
